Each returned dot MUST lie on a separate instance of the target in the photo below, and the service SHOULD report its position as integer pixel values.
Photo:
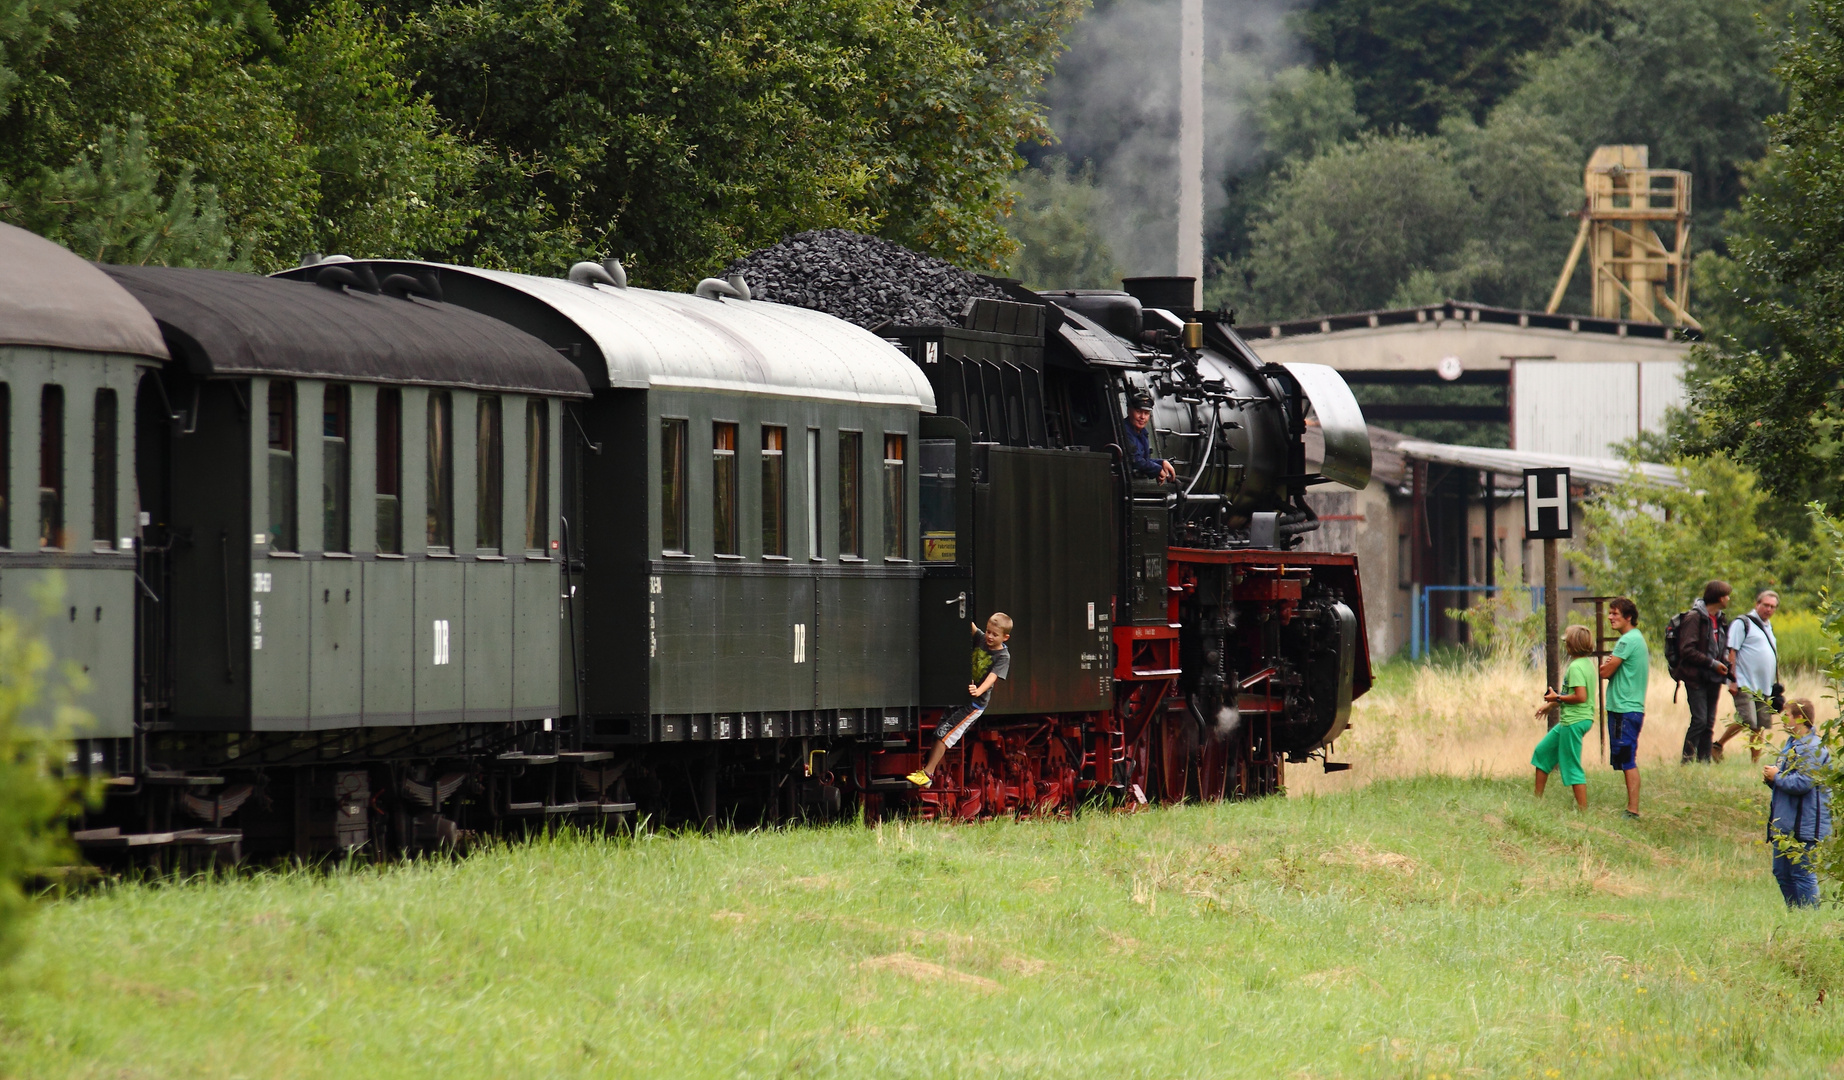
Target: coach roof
(640, 338)
(50, 297)
(228, 324)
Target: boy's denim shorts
(1623, 739)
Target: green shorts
(1562, 746)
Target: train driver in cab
(1139, 440)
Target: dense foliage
(34, 801)
(1771, 391)
(517, 133)
(1659, 544)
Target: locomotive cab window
(937, 497)
(896, 504)
(282, 466)
(336, 469)
(102, 475)
(673, 529)
(390, 472)
(774, 490)
(489, 477)
(51, 467)
(440, 526)
(723, 489)
(537, 475)
(851, 519)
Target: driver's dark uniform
(1139, 452)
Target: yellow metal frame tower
(1635, 275)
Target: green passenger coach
(742, 502)
(351, 497)
(73, 347)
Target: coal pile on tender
(862, 279)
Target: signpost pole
(1552, 622)
(1547, 517)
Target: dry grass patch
(925, 971)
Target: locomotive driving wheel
(1176, 738)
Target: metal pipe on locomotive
(770, 529)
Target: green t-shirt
(1626, 690)
(1580, 673)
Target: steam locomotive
(686, 557)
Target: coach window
(440, 527)
(851, 517)
(6, 465)
(282, 466)
(51, 467)
(102, 472)
(813, 494)
(723, 489)
(390, 472)
(489, 477)
(774, 490)
(336, 469)
(937, 499)
(895, 501)
(537, 475)
(672, 525)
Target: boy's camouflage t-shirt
(995, 661)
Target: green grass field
(1413, 928)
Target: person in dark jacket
(1139, 440)
(1703, 662)
(1801, 813)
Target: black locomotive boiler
(713, 557)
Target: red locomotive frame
(1147, 749)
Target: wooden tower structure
(1635, 275)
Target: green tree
(1343, 231)
(1691, 79)
(1659, 544)
(111, 210)
(682, 135)
(1053, 222)
(1414, 63)
(34, 800)
(1770, 391)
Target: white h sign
(1547, 514)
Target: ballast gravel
(861, 279)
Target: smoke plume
(1114, 101)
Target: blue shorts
(956, 723)
(1623, 739)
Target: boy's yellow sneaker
(920, 778)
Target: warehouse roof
(222, 323)
(641, 338)
(50, 297)
(1583, 470)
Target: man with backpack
(1754, 663)
(1695, 648)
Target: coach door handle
(961, 600)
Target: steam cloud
(1228, 718)
(1114, 101)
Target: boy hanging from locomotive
(992, 661)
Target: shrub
(1801, 637)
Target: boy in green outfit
(1625, 672)
(1562, 745)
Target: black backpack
(1674, 631)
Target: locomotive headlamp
(1194, 335)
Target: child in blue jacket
(1801, 813)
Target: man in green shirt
(1625, 672)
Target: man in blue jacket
(1801, 813)
(1139, 440)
